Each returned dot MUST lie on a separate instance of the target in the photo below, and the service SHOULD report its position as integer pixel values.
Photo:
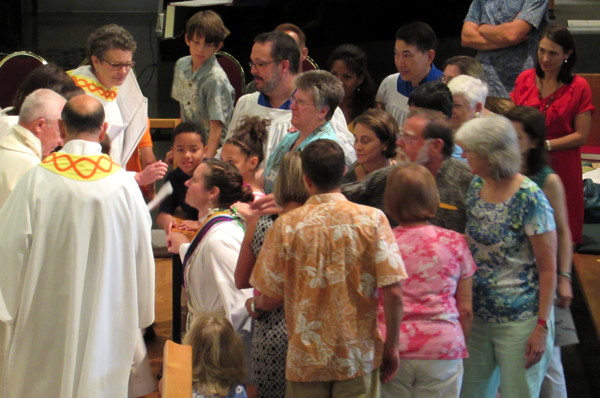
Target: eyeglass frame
(260, 65)
(119, 65)
(298, 102)
(404, 136)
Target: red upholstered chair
(309, 64)
(14, 69)
(234, 72)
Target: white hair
(494, 138)
(472, 89)
(42, 102)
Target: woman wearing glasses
(318, 93)
(110, 50)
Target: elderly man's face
(265, 70)
(50, 135)
(411, 139)
(461, 111)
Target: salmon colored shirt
(326, 260)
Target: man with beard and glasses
(425, 138)
(274, 63)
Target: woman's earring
(566, 59)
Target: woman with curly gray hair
(511, 233)
(110, 51)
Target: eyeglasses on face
(119, 65)
(446, 79)
(407, 136)
(260, 65)
(299, 102)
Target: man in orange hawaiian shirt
(325, 261)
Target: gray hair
(110, 37)
(325, 88)
(472, 89)
(494, 138)
(42, 102)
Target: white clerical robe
(281, 122)
(20, 150)
(395, 104)
(125, 107)
(77, 277)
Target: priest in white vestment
(77, 269)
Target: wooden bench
(587, 270)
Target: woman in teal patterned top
(511, 234)
(317, 95)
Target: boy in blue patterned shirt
(200, 85)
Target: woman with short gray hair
(511, 233)
(318, 93)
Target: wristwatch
(543, 323)
(253, 307)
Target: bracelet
(548, 145)
(543, 323)
(253, 307)
(565, 274)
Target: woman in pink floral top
(437, 294)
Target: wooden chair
(309, 64)
(164, 123)
(177, 371)
(14, 69)
(234, 72)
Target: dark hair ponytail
(228, 179)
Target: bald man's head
(83, 115)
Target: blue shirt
(203, 95)
(502, 66)
(264, 101)
(406, 88)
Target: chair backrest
(14, 69)
(309, 64)
(234, 72)
(177, 370)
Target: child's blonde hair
(217, 354)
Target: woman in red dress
(566, 101)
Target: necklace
(553, 88)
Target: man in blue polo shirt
(274, 63)
(413, 55)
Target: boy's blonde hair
(207, 24)
(217, 354)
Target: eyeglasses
(119, 66)
(446, 79)
(407, 136)
(299, 102)
(260, 65)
